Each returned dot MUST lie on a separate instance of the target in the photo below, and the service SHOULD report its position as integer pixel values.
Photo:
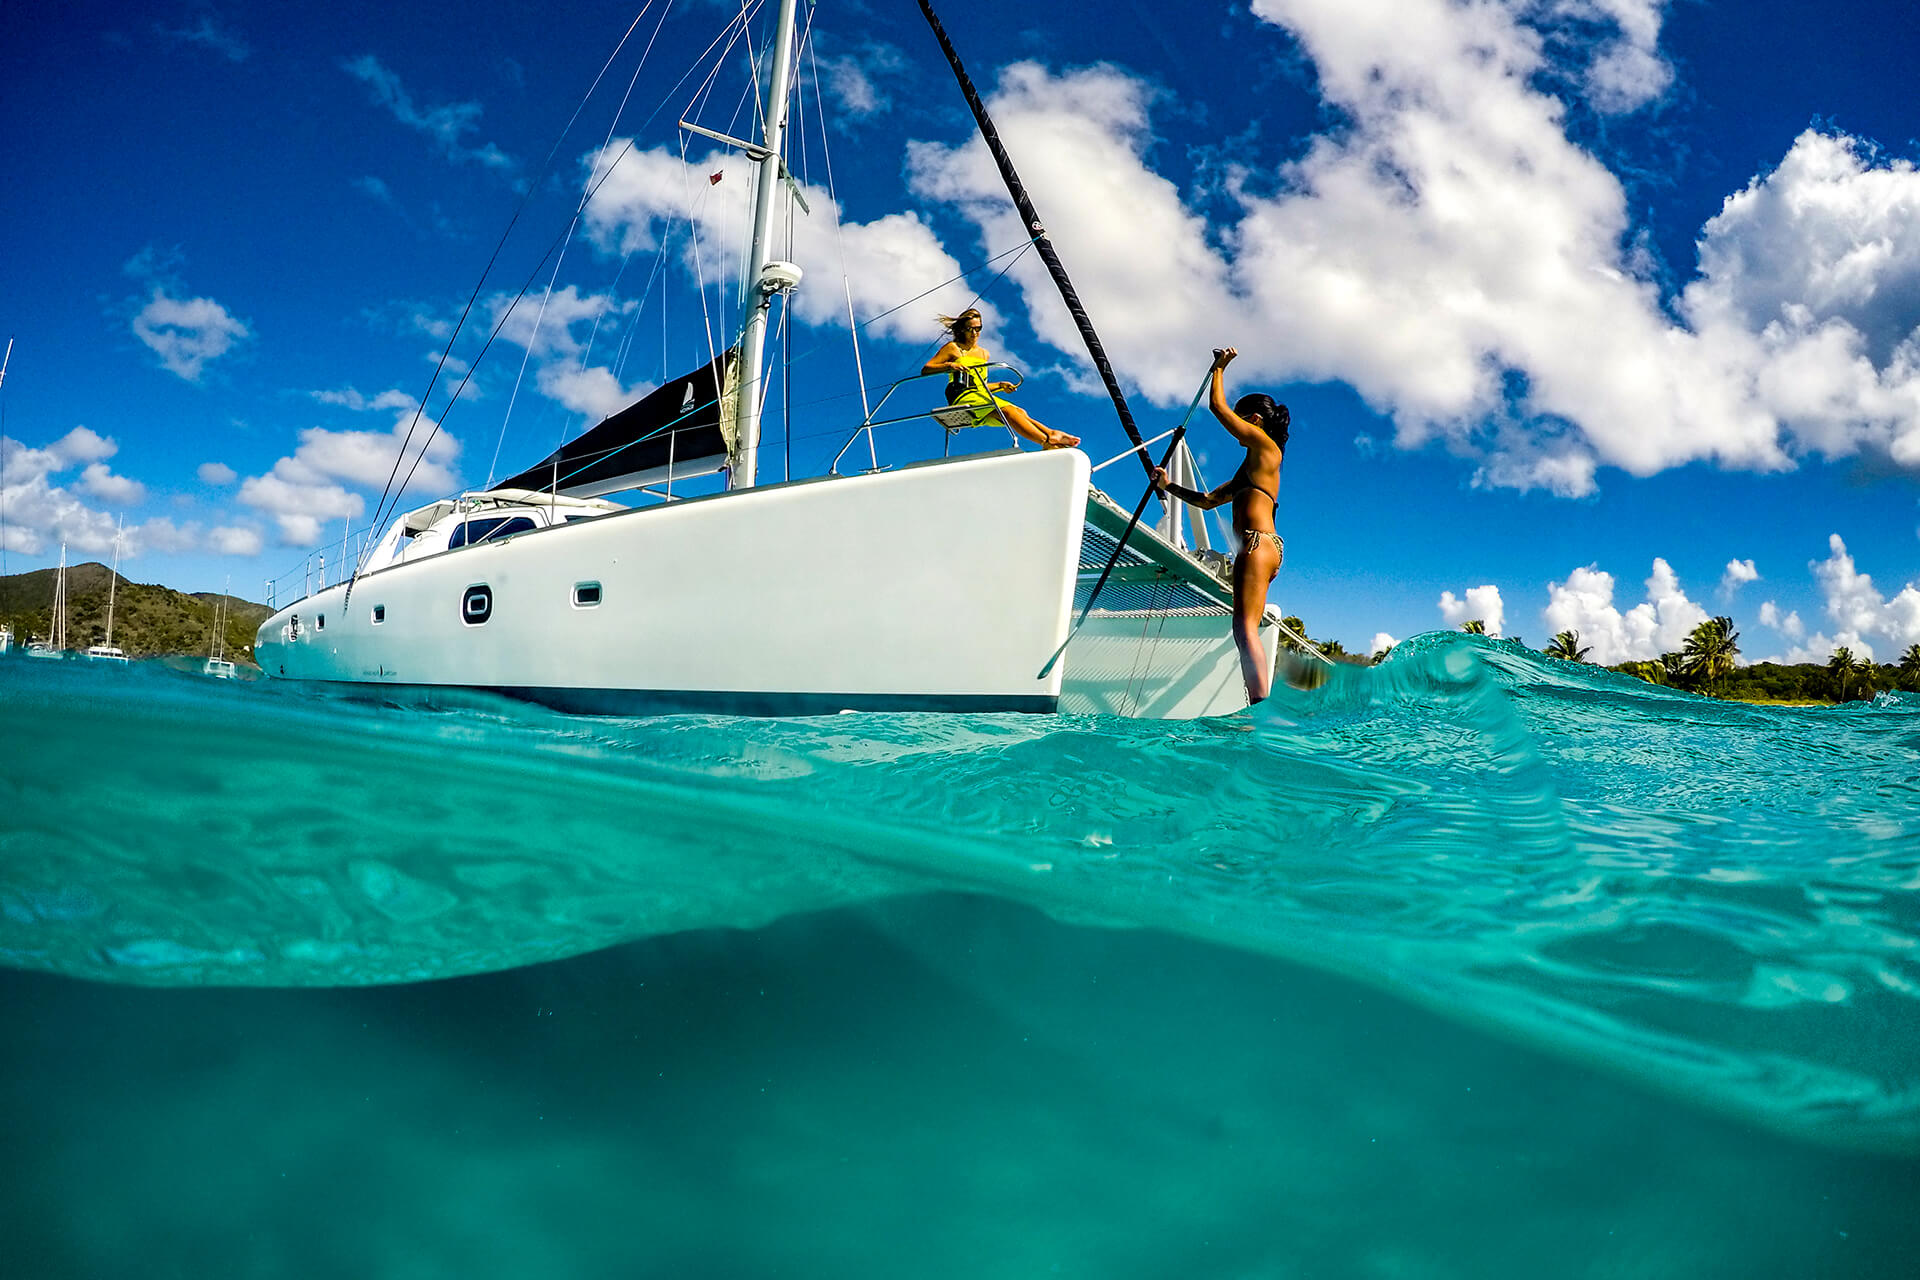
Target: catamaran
(106, 650)
(218, 665)
(1000, 581)
(55, 644)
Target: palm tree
(1566, 647)
(1710, 650)
(1910, 668)
(1474, 627)
(1844, 669)
(1294, 627)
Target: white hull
(1157, 666)
(943, 586)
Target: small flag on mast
(714, 178)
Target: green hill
(148, 620)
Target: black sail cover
(680, 429)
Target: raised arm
(1242, 430)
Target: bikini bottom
(1252, 539)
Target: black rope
(1179, 434)
(1031, 218)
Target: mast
(762, 285)
(59, 624)
(113, 581)
(1035, 228)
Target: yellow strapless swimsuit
(974, 396)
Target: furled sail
(1031, 218)
(683, 428)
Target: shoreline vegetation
(149, 621)
(154, 621)
(1707, 665)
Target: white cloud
(217, 473)
(301, 507)
(77, 446)
(187, 333)
(42, 514)
(447, 124)
(349, 398)
(1120, 229)
(98, 481)
(854, 79)
(1381, 641)
(162, 535)
(235, 540)
(1737, 575)
(307, 492)
(1483, 603)
(593, 392)
(209, 34)
(546, 327)
(1861, 616)
(376, 190)
(1453, 254)
(1625, 71)
(1661, 624)
(890, 258)
(1788, 625)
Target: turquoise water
(1471, 964)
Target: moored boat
(944, 584)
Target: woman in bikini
(964, 361)
(1261, 425)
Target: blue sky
(1592, 313)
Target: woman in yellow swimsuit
(1261, 425)
(964, 361)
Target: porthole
(586, 595)
(477, 605)
(379, 614)
(320, 622)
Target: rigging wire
(728, 34)
(587, 188)
(525, 198)
(699, 268)
(840, 239)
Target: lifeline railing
(873, 455)
(352, 546)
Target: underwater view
(1474, 963)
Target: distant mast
(762, 285)
(113, 579)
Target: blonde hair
(949, 323)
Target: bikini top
(1241, 482)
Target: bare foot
(1060, 440)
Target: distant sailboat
(218, 666)
(105, 651)
(55, 645)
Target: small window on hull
(320, 623)
(586, 595)
(379, 614)
(477, 605)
